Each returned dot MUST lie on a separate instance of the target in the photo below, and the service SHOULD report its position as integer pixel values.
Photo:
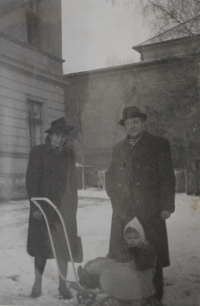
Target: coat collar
(144, 139)
(49, 148)
(139, 149)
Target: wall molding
(14, 154)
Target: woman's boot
(39, 269)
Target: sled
(115, 280)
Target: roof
(188, 28)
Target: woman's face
(58, 138)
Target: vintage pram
(114, 291)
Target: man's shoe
(36, 292)
(65, 293)
(153, 301)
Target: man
(51, 174)
(140, 183)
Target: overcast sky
(97, 34)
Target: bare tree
(172, 13)
(76, 99)
(163, 15)
(80, 104)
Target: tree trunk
(83, 163)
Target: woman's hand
(37, 214)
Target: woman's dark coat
(51, 174)
(140, 182)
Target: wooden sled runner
(53, 213)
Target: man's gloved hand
(132, 265)
(165, 214)
(37, 214)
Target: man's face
(58, 138)
(133, 239)
(134, 127)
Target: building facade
(31, 84)
(165, 85)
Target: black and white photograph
(100, 152)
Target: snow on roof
(188, 28)
(79, 165)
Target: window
(34, 123)
(32, 23)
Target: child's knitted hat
(135, 224)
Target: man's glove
(165, 214)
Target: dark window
(32, 23)
(34, 123)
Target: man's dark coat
(52, 175)
(140, 182)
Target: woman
(51, 174)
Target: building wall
(27, 73)
(17, 85)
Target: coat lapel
(140, 151)
(125, 159)
(142, 148)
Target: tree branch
(172, 14)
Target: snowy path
(182, 278)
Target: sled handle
(35, 201)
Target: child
(140, 256)
(132, 280)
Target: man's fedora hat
(132, 112)
(59, 125)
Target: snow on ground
(182, 278)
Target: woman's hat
(132, 112)
(59, 125)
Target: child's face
(133, 239)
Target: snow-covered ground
(182, 278)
